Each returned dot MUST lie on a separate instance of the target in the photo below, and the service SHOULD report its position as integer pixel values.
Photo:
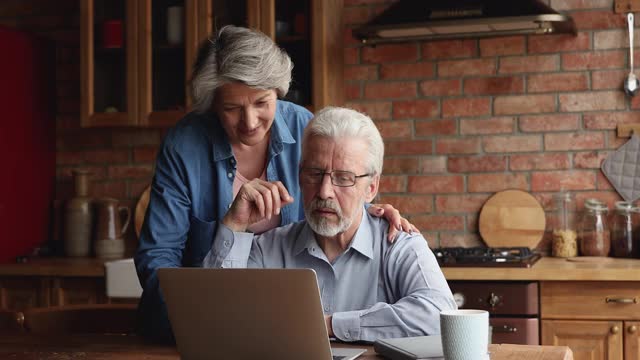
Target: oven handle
(504, 329)
(621, 300)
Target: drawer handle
(621, 300)
(505, 329)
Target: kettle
(109, 235)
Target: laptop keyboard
(338, 357)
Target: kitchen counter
(554, 269)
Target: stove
(485, 256)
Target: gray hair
(242, 55)
(336, 122)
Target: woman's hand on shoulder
(396, 222)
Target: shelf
(626, 130)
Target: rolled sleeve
(229, 250)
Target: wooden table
(107, 347)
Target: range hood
(409, 20)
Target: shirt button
(227, 243)
(229, 175)
(347, 335)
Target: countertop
(547, 268)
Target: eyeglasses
(338, 177)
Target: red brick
(466, 107)
(502, 144)
(496, 182)
(557, 82)
(395, 129)
(612, 39)
(348, 39)
(480, 163)
(468, 67)
(494, 85)
(415, 109)
(401, 165)
(508, 45)
(581, 4)
(591, 101)
(613, 141)
(559, 43)
(112, 189)
(361, 72)
(449, 49)
(433, 164)
(353, 91)
(635, 103)
(446, 87)
(393, 184)
(524, 104)
(436, 127)
(106, 156)
(83, 139)
(348, 3)
(410, 204)
(532, 63)
(563, 180)
(130, 171)
(457, 145)
(607, 79)
(96, 173)
(356, 15)
(136, 187)
(409, 147)
(609, 59)
(351, 55)
(379, 110)
(390, 53)
(602, 182)
(602, 19)
(436, 184)
(539, 162)
(438, 222)
(69, 158)
(145, 154)
(135, 137)
(549, 122)
(495, 125)
(609, 120)
(460, 203)
(462, 239)
(389, 90)
(407, 71)
(589, 160)
(573, 141)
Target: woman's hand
(396, 222)
(255, 201)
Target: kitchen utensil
(78, 217)
(109, 241)
(512, 218)
(141, 209)
(631, 84)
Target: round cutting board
(141, 209)
(512, 218)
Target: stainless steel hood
(409, 20)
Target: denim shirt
(192, 190)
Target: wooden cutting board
(141, 209)
(512, 218)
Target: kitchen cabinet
(132, 75)
(597, 320)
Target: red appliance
(27, 141)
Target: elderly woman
(238, 131)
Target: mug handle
(126, 210)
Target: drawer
(613, 300)
(523, 331)
(499, 298)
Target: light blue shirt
(374, 289)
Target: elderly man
(370, 288)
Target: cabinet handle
(621, 300)
(615, 329)
(632, 329)
(493, 300)
(505, 329)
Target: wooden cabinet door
(108, 62)
(589, 340)
(632, 340)
(21, 292)
(77, 290)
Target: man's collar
(362, 241)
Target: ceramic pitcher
(109, 236)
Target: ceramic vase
(78, 217)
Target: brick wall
(463, 119)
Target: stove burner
(484, 256)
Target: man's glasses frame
(339, 178)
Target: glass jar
(594, 232)
(623, 230)
(564, 236)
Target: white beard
(321, 225)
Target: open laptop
(248, 314)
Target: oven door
(514, 331)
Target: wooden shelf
(626, 130)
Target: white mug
(175, 16)
(465, 334)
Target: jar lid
(598, 207)
(624, 206)
(564, 196)
(592, 201)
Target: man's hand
(255, 201)
(396, 222)
(327, 321)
